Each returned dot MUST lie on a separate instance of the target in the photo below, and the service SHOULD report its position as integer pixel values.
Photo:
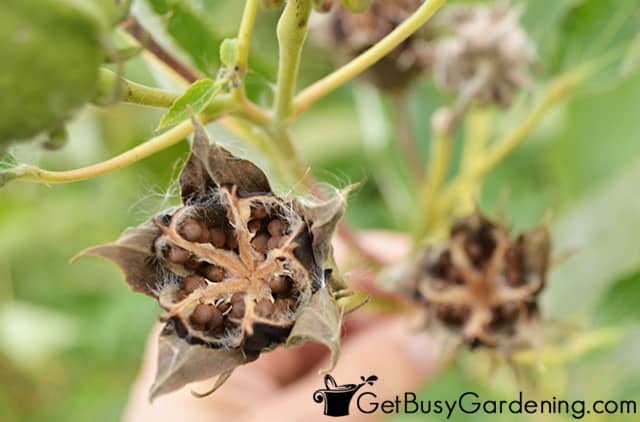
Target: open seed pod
(351, 33)
(482, 285)
(237, 269)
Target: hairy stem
(313, 93)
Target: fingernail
(421, 350)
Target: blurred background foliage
(72, 336)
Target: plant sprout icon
(338, 397)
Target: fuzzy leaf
(132, 252)
(320, 321)
(181, 363)
(196, 98)
(210, 165)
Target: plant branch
(112, 88)
(319, 89)
(292, 32)
(244, 34)
(138, 153)
(144, 37)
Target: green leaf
(229, 51)
(194, 100)
(621, 301)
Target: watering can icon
(337, 398)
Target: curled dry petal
(238, 270)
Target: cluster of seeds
(483, 284)
(235, 269)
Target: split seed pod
(483, 284)
(237, 269)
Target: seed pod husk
(482, 285)
(240, 311)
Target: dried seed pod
(487, 54)
(349, 34)
(482, 284)
(211, 328)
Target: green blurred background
(72, 336)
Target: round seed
(260, 243)
(274, 242)
(280, 285)
(232, 240)
(202, 314)
(216, 319)
(192, 283)
(238, 305)
(264, 307)
(217, 237)
(191, 230)
(176, 254)
(254, 226)
(258, 212)
(276, 227)
(213, 273)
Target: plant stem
(244, 34)
(495, 154)
(319, 89)
(292, 32)
(112, 88)
(138, 153)
(133, 27)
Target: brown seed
(232, 240)
(280, 285)
(254, 226)
(213, 273)
(176, 254)
(264, 307)
(217, 237)
(260, 243)
(192, 264)
(190, 230)
(258, 212)
(237, 302)
(284, 305)
(274, 242)
(201, 315)
(193, 282)
(216, 319)
(276, 227)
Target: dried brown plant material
(351, 33)
(482, 284)
(227, 290)
(487, 54)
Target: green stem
(292, 32)
(112, 88)
(244, 34)
(313, 93)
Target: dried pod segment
(483, 284)
(237, 269)
(352, 33)
(487, 53)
